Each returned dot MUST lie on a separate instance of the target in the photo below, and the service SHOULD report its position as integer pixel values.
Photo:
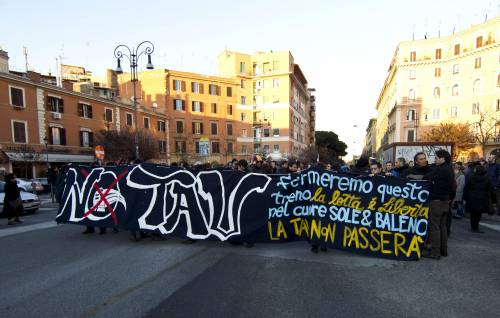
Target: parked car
(44, 182)
(31, 202)
(27, 186)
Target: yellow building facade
(275, 89)
(448, 79)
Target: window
(413, 56)
(16, 95)
(410, 135)
(457, 49)
(266, 132)
(243, 116)
(179, 85)
(197, 128)
(197, 147)
(438, 54)
(213, 128)
(411, 114)
(161, 126)
(86, 138)
(242, 67)
(454, 90)
(213, 108)
(230, 147)
(55, 104)
(256, 148)
(57, 136)
(455, 69)
(229, 129)
(180, 146)
(243, 100)
(454, 111)
(229, 109)
(215, 147)
(162, 146)
(196, 106)
(179, 105)
(498, 105)
(267, 83)
(411, 94)
(266, 67)
(19, 132)
(266, 149)
(435, 114)
(84, 110)
(477, 63)
(276, 82)
(146, 122)
(412, 74)
(243, 132)
(476, 87)
(244, 148)
(229, 91)
(437, 72)
(242, 84)
(479, 42)
(276, 65)
(179, 126)
(276, 132)
(475, 108)
(129, 119)
(213, 89)
(437, 92)
(276, 148)
(196, 88)
(108, 115)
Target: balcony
(257, 139)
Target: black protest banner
(382, 216)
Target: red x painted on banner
(103, 195)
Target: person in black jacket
(420, 168)
(479, 191)
(442, 191)
(12, 204)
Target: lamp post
(46, 141)
(133, 54)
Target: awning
(52, 157)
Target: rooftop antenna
(25, 53)
(439, 29)
(413, 35)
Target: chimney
(4, 62)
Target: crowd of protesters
(458, 189)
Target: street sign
(99, 152)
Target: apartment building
(43, 124)
(204, 121)
(275, 89)
(447, 79)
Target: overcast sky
(343, 47)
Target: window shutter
(217, 90)
(63, 136)
(48, 105)
(201, 107)
(183, 86)
(90, 111)
(183, 105)
(192, 87)
(80, 110)
(201, 128)
(81, 138)
(201, 88)
(91, 139)
(192, 126)
(51, 138)
(174, 104)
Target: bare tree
(27, 155)
(485, 128)
(119, 146)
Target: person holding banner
(442, 191)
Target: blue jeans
(459, 206)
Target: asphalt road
(49, 270)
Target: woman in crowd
(458, 201)
(12, 205)
(478, 194)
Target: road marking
(491, 226)
(16, 229)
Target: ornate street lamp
(133, 54)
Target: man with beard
(420, 168)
